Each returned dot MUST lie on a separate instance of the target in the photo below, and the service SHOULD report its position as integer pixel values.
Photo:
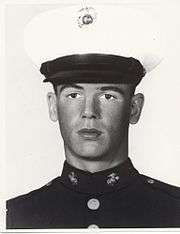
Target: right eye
(73, 95)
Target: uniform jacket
(119, 197)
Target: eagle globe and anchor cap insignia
(86, 16)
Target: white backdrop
(34, 148)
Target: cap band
(93, 68)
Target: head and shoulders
(94, 120)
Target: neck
(100, 163)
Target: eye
(108, 96)
(74, 95)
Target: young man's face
(94, 118)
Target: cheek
(116, 115)
(68, 115)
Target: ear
(51, 99)
(137, 103)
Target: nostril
(89, 116)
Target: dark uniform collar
(98, 182)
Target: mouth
(91, 134)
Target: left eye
(108, 96)
(74, 95)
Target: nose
(91, 108)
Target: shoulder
(26, 210)
(160, 187)
(34, 196)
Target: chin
(91, 150)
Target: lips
(91, 133)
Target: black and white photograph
(91, 97)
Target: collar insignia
(73, 178)
(112, 179)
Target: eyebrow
(104, 88)
(112, 88)
(70, 86)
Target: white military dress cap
(98, 29)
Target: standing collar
(98, 182)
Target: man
(94, 74)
